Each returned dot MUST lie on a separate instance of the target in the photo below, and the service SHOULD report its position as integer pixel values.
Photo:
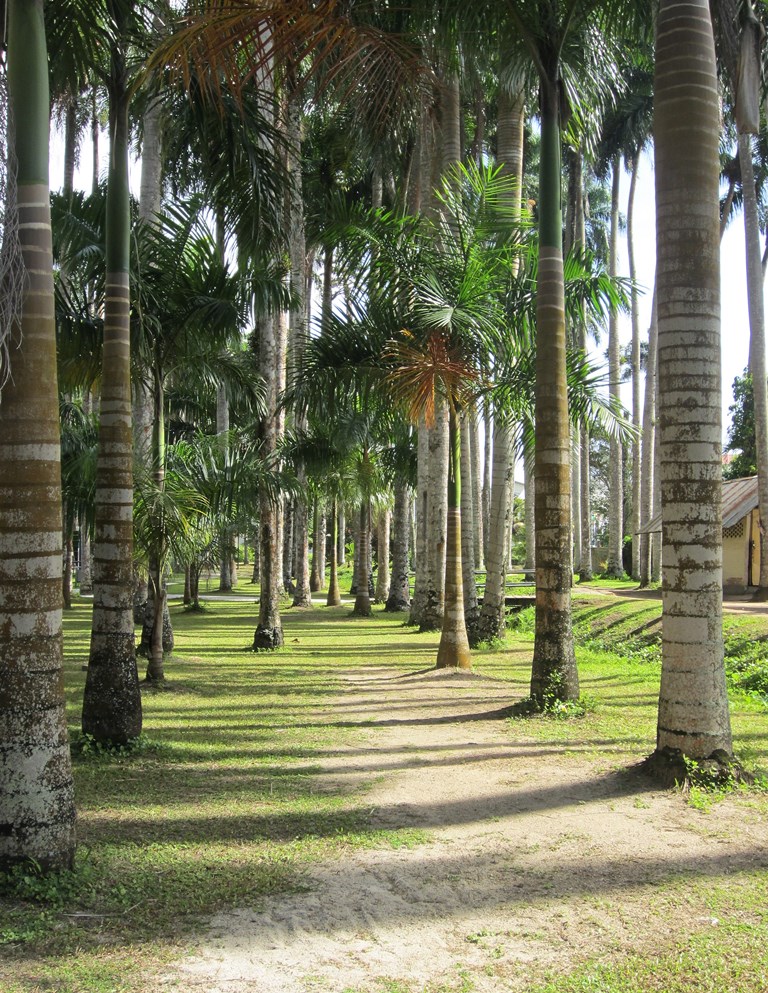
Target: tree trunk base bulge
(267, 639)
(671, 767)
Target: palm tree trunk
(530, 510)
(437, 489)
(318, 539)
(553, 674)
(485, 496)
(362, 606)
(418, 603)
(647, 472)
(342, 536)
(492, 623)
(399, 591)
(615, 566)
(453, 650)
(112, 700)
(35, 771)
(477, 500)
(334, 593)
(382, 573)
(471, 609)
(756, 346)
(272, 343)
(297, 250)
(693, 706)
(636, 409)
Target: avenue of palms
(369, 245)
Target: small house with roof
(741, 534)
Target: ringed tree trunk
(382, 573)
(112, 700)
(647, 471)
(453, 650)
(418, 602)
(468, 530)
(269, 630)
(553, 675)
(157, 602)
(530, 510)
(756, 347)
(435, 535)
(399, 591)
(693, 706)
(317, 574)
(615, 566)
(477, 499)
(485, 495)
(334, 593)
(84, 575)
(493, 621)
(35, 772)
(362, 606)
(636, 407)
(297, 250)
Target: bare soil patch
(537, 858)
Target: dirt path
(536, 859)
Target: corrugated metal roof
(739, 498)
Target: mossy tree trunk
(38, 812)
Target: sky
(735, 320)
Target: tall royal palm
(112, 700)
(546, 29)
(693, 706)
(35, 773)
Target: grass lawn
(221, 803)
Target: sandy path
(536, 860)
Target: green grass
(224, 804)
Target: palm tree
(546, 29)
(35, 772)
(693, 707)
(112, 700)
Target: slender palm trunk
(756, 345)
(362, 606)
(112, 701)
(297, 250)
(399, 591)
(35, 773)
(492, 620)
(84, 575)
(158, 600)
(693, 706)
(382, 573)
(647, 473)
(529, 476)
(615, 566)
(471, 609)
(422, 502)
(554, 674)
(334, 593)
(453, 650)
(318, 540)
(492, 623)
(636, 407)
(485, 496)
(436, 538)
(477, 482)
(272, 344)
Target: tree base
(267, 639)
(395, 606)
(672, 767)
